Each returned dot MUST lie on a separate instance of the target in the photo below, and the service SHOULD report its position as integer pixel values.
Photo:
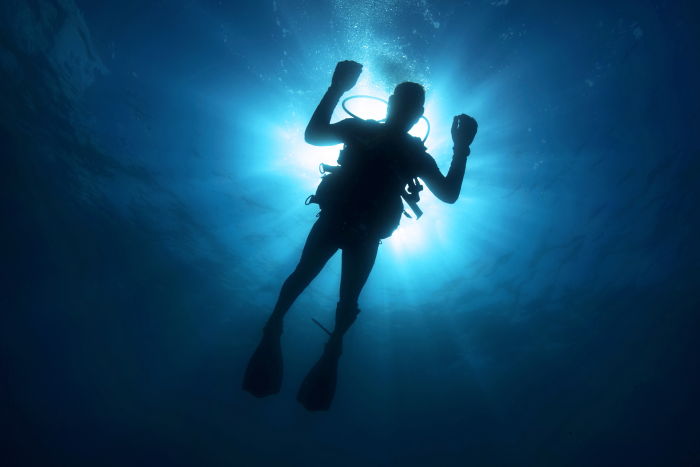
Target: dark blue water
(153, 172)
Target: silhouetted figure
(360, 204)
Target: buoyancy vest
(376, 170)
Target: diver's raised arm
(447, 188)
(319, 131)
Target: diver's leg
(358, 261)
(263, 375)
(320, 246)
(318, 388)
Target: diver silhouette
(360, 204)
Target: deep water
(153, 173)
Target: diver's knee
(301, 273)
(301, 276)
(345, 315)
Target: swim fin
(263, 376)
(318, 388)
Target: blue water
(153, 177)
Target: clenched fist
(345, 75)
(463, 131)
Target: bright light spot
(420, 129)
(300, 159)
(408, 237)
(367, 108)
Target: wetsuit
(376, 165)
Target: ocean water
(154, 171)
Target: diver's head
(405, 106)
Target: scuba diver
(361, 204)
